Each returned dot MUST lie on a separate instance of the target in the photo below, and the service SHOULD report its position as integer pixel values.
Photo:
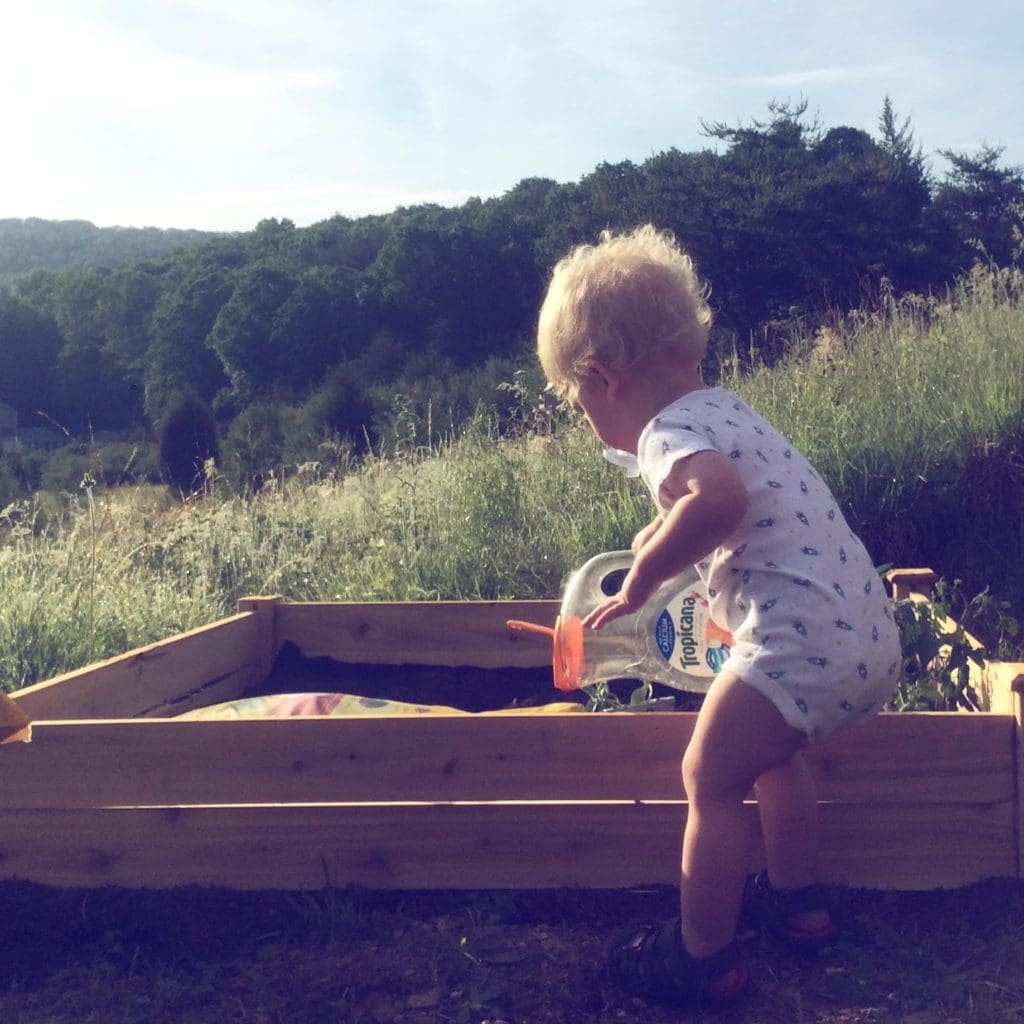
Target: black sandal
(650, 961)
(774, 909)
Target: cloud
(809, 77)
(76, 63)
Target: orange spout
(567, 648)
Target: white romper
(811, 621)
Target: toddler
(621, 335)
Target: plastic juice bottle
(671, 640)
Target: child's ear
(606, 375)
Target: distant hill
(36, 244)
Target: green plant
(937, 651)
(601, 697)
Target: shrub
(188, 443)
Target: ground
(193, 956)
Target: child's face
(596, 401)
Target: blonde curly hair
(618, 301)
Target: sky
(217, 114)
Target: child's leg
(739, 737)
(788, 806)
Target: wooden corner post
(264, 610)
(910, 581)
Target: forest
(405, 323)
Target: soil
(465, 687)
(198, 955)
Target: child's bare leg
(740, 735)
(788, 805)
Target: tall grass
(475, 517)
(913, 412)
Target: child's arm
(644, 535)
(707, 502)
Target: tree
(187, 441)
(319, 324)
(905, 156)
(30, 344)
(241, 336)
(985, 204)
(125, 308)
(341, 405)
(790, 221)
(179, 358)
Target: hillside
(35, 244)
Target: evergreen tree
(188, 441)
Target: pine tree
(188, 442)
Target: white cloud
(71, 63)
(831, 76)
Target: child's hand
(605, 612)
(631, 598)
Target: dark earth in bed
(465, 687)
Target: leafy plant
(938, 653)
(601, 697)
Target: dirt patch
(192, 956)
(465, 686)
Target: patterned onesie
(811, 621)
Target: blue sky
(218, 113)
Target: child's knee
(703, 780)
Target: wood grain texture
(201, 667)
(895, 759)
(531, 846)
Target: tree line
(36, 244)
(339, 328)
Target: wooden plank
(532, 846)
(999, 683)
(211, 663)
(1017, 690)
(918, 757)
(925, 846)
(909, 758)
(909, 582)
(265, 611)
(15, 725)
(419, 632)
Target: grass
(914, 413)
(469, 519)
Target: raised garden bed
(114, 789)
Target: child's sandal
(775, 910)
(650, 961)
